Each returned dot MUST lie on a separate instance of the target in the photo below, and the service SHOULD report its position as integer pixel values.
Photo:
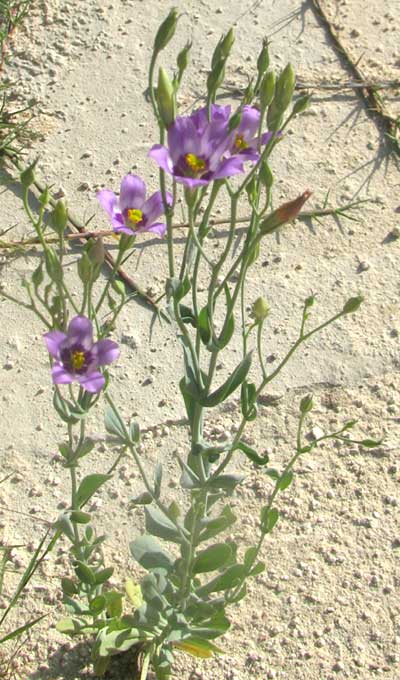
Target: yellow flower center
(77, 359)
(135, 215)
(240, 143)
(195, 163)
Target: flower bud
(306, 404)
(248, 95)
(223, 48)
(27, 176)
(53, 267)
(166, 98)
(267, 90)
(183, 60)
(96, 251)
(260, 310)
(166, 31)
(285, 213)
(274, 117)
(263, 58)
(44, 197)
(85, 268)
(59, 218)
(215, 78)
(352, 305)
(285, 88)
(266, 176)
(301, 104)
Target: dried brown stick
(305, 215)
(368, 92)
(83, 235)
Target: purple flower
(77, 358)
(197, 148)
(245, 140)
(132, 214)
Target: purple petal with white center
(183, 138)
(108, 201)
(228, 167)
(154, 207)
(132, 194)
(60, 375)
(92, 382)
(105, 352)
(161, 156)
(80, 332)
(53, 340)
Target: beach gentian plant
(131, 213)
(77, 358)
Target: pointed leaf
(212, 558)
(89, 485)
(148, 552)
(230, 385)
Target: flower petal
(107, 200)
(105, 352)
(92, 382)
(192, 183)
(249, 122)
(154, 207)
(228, 167)
(53, 340)
(121, 228)
(133, 192)
(161, 156)
(60, 375)
(80, 332)
(183, 138)
(157, 228)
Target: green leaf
(198, 647)
(19, 631)
(159, 525)
(85, 573)
(230, 385)
(213, 527)
(80, 517)
(252, 454)
(187, 315)
(114, 603)
(103, 575)
(89, 485)
(144, 498)
(212, 558)
(150, 555)
(273, 473)
(68, 587)
(269, 518)
(285, 480)
(225, 337)
(86, 447)
(230, 578)
(134, 592)
(134, 432)
(212, 627)
(248, 399)
(68, 626)
(114, 425)
(371, 443)
(258, 569)
(250, 556)
(204, 326)
(98, 604)
(227, 482)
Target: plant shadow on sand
(75, 664)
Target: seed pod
(59, 218)
(263, 58)
(353, 305)
(285, 88)
(301, 104)
(285, 213)
(260, 309)
(27, 177)
(267, 90)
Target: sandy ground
(327, 606)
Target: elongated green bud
(301, 104)
(96, 251)
(285, 88)
(53, 267)
(27, 176)
(59, 218)
(306, 404)
(266, 176)
(267, 90)
(183, 60)
(85, 268)
(274, 117)
(166, 98)
(285, 213)
(215, 78)
(166, 31)
(222, 50)
(260, 309)
(249, 93)
(234, 121)
(263, 58)
(44, 197)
